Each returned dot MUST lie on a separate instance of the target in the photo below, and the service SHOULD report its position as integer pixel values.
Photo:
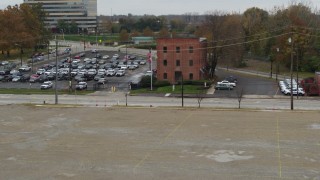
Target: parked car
(40, 71)
(224, 87)
(98, 56)
(227, 82)
(25, 78)
(25, 68)
(80, 78)
(34, 78)
(111, 72)
(148, 73)
(143, 62)
(105, 57)
(232, 79)
(102, 81)
(115, 56)
(94, 51)
(120, 72)
(81, 85)
(98, 76)
(16, 78)
(43, 78)
(46, 85)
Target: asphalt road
(109, 99)
(251, 85)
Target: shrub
(161, 83)
(146, 81)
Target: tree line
(271, 36)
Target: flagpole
(151, 67)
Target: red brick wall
(198, 57)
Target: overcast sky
(164, 7)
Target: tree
(62, 25)
(200, 96)
(240, 93)
(164, 33)
(147, 32)
(254, 22)
(73, 27)
(211, 29)
(124, 36)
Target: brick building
(181, 56)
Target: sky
(165, 7)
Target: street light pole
(277, 70)
(56, 79)
(21, 51)
(291, 72)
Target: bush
(198, 82)
(146, 81)
(161, 83)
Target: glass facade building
(83, 12)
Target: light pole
(290, 40)
(56, 79)
(277, 70)
(21, 51)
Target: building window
(177, 49)
(165, 49)
(177, 62)
(165, 76)
(190, 62)
(190, 49)
(190, 76)
(165, 62)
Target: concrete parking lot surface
(156, 143)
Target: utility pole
(151, 67)
(56, 80)
(182, 102)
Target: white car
(46, 85)
(116, 56)
(92, 72)
(81, 86)
(16, 78)
(94, 51)
(14, 71)
(143, 62)
(25, 68)
(111, 72)
(120, 72)
(101, 72)
(148, 73)
(87, 60)
(228, 83)
(105, 57)
(40, 71)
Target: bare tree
(240, 93)
(200, 97)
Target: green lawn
(39, 91)
(187, 89)
(91, 38)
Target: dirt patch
(144, 143)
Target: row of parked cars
(285, 87)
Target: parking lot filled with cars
(91, 70)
